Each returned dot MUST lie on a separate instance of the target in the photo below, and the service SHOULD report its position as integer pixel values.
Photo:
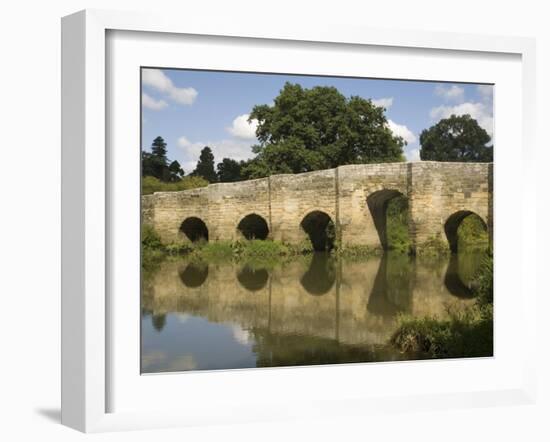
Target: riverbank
(154, 251)
(467, 333)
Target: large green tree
(229, 170)
(319, 128)
(205, 166)
(457, 138)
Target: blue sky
(192, 109)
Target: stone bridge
(293, 208)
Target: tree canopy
(229, 170)
(319, 128)
(457, 138)
(156, 164)
(205, 166)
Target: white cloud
(241, 128)
(478, 111)
(229, 148)
(383, 102)
(413, 154)
(453, 93)
(158, 80)
(402, 131)
(150, 103)
(241, 335)
(183, 142)
(485, 91)
(185, 96)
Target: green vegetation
(152, 251)
(229, 170)
(472, 233)
(250, 249)
(156, 164)
(457, 138)
(151, 184)
(159, 174)
(433, 247)
(358, 252)
(463, 334)
(319, 128)
(205, 166)
(397, 229)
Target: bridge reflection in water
(311, 310)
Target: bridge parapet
(354, 197)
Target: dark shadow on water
(194, 274)
(252, 279)
(392, 289)
(458, 280)
(51, 414)
(321, 274)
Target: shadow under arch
(377, 203)
(453, 223)
(194, 274)
(393, 285)
(194, 229)
(321, 230)
(321, 274)
(253, 226)
(252, 279)
(461, 272)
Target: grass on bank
(150, 184)
(154, 251)
(463, 334)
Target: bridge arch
(320, 228)
(253, 226)
(194, 229)
(377, 203)
(453, 223)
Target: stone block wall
(353, 196)
(440, 190)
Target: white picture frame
(87, 208)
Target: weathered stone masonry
(355, 197)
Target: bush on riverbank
(463, 334)
(150, 184)
(250, 249)
(152, 251)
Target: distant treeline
(313, 129)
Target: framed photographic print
(291, 222)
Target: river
(315, 309)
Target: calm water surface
(311, 310)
